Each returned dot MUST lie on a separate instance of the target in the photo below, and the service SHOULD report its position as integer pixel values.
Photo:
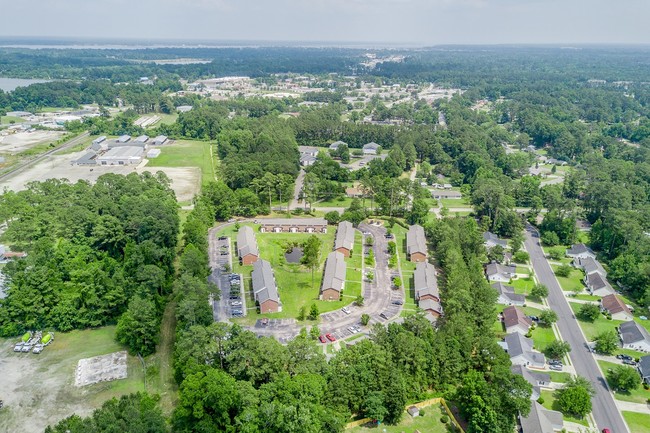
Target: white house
(507, 295)
(634, 336)
(498, 272)
(520, 350)
(371, 148)
(580, 250)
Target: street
(604, 410)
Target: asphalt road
(604, 410)
(20, 167)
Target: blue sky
(394, 21)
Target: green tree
(557, 349)
(606, 342)
(539, 291)
(623, 378)
(373, 406)
(575, 397)
(314, 332)
(313, 312)
(138, 327)
(332, 217)
(365, 318)
(563, 271)
(556, 253)
(359, 301)
(548, 317)
(589, 312)
(311, 254)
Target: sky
(416, 22)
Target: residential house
(336, 144)
(440, 194)
(507, 295)
(498, 272)
(515, 320)
(265, 289)
(344, 242)
(353, 192)
(334, 277)
(6, 255)
(536, 379)
(307, 160)
(634, 336)
(541, 420)
(580, 250)
(431, 308)
(425, 282)
(520, 350)
(615, 307)
(491, 240)
(293, 225)
(416, 244)
(589, 265)
(644, 368)
(371, 148)
(598, 285)
(247, 250)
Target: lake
(9, 84)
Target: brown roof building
(515, 320)
(616, 307)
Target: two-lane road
(605, 411)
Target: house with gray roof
(344, 241)
(634, 336)
(426, 282)
(333, 277)
(644, 368)
(431, 308)
(597, 285)
(491, 240)
(371, 148)
(520, 350)
(507, 295)
(536, 379)
(265, 289)
(307, 160)
(498, 272)
(416, 244)
(336, 145)
(247, 249)
(541, 420)
(589, 265)
(580, 251)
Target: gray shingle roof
(591, 266)
(263, 279)
(497, 268)
(246, 242)
(541, 420)
(508, 292)
(644, 366)
(491, 237)
(293, 221)
(344, 236)
(416, 242)
(426, 282)
(631, 332)
(518, 345)
(430, 304)
(371, 146)
(334, 276)
(531, 377)
(596, 281)
(579, 249)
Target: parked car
(383, 316)
(346, 310)
(398, 302)
(622, 356)
(629, 362)
(222, 238)
(330, 337)
(555, 362)
(264, 321)
(606, 430)
(555, 367)
(534, 318)
(322, 339)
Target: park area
(40, 389)
(429, 421)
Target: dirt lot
(186, 181)
(39, 390)
(22, 141)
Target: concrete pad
(104, 368)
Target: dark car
(397, 302)
(628, 357)
(383, 316)
(222, 238)
(322, 339)
(629, 362)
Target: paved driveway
(605, 411)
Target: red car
(322, 339)
(606, 430)
(330, 337)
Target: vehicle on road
(346, 310)
(383, 316)
(330, 337)
(606, 430)
(222, 238)
(397, 302)
(264, 321)
(322, 339)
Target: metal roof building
(334, 276)
(122, 155)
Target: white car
(346, 310)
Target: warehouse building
(122, 155)
(160, 140)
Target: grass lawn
(335, 202)
(558, 377)
(523, 269)
(550, 403)
(638, 395)
(400, 239)
(584, 297)
(186, 153)
(571, 283)
(522, 285)
(8, 119)
(638, 422)
(592, 329)
(542, 337)
(455, 202)
(429, 423)
(166, 119)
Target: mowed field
(186, 153)
(39, 390)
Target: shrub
(540, 400)
(443, 419)
(563, 271)
(521, 257)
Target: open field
(186, 181)
(6, 120)
(637, 422)
(429, 423)
(22, 141)
(186, 153)
(39, 389)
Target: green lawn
(186, 153)
(8, 119)
(400, 239)
(166, 119)
(550, 403)
(455, 202)
(592, 329)
(522, 285)
(637, 422)
(558, 376)
(429, 422)
(639, 395)
(583, 297)
(335, 202)
(571, 283)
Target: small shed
(413, 411)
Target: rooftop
(344, 236)
(416, 241)
(513, 316)
(293, 221)
(263, 282)
(632, 332)
(246, 242)
(334, 277)
(426, 282)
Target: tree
(365, 318)
(556, 253)
(563, 271)
(623, 378)
(332, 217)
(606, 342)
(521, 257)
(557, 349)
(359, 301)
(311, 254)
(575, 397)
(548, 317)
(313, 312)
(138, 327)
(516, 242)
(397, 282)
(314, 332)
(550, 238)
(539, 291)
(589, 312)
(373, 406)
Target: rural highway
(604, 410)
(22, 166)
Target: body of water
(10, 84)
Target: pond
(294, 255)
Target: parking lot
(232, 302)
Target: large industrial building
(123, 155)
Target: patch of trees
(92, 250)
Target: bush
(563, 271)
(540, 400)
(443, 419)
(521, 257)
(421, 412)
